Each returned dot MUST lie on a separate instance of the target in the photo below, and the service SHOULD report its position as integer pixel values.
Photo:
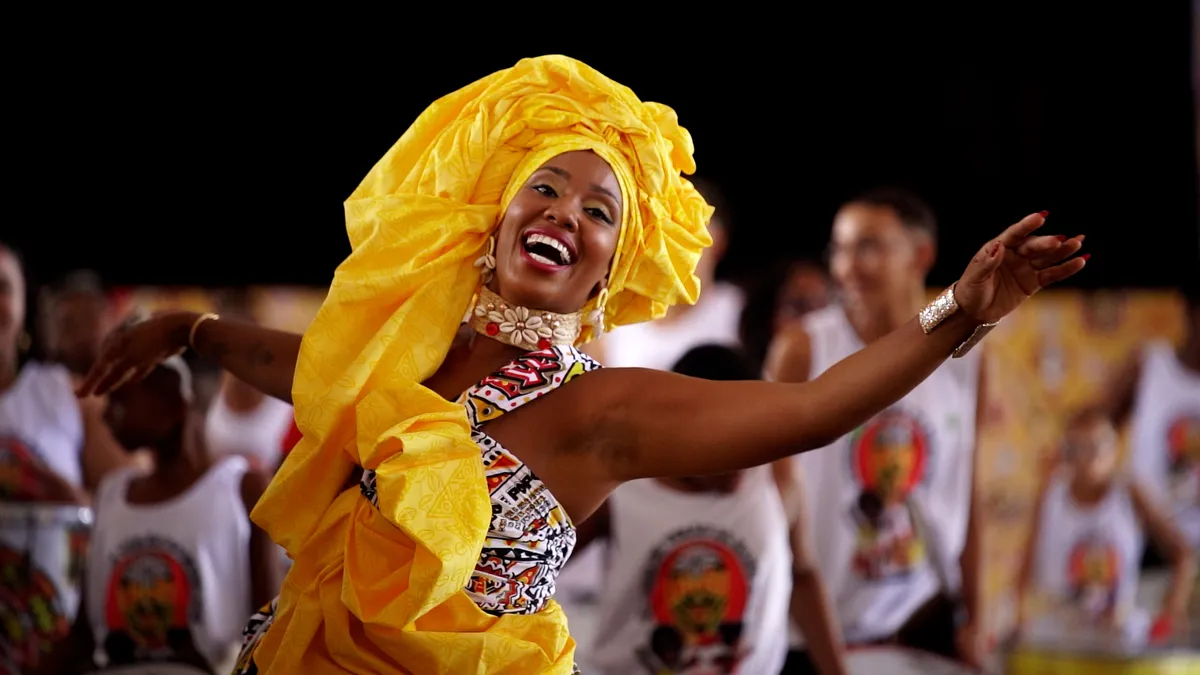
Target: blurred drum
(900, 661)
(151, 669)
(43, 552)
(1042, 661)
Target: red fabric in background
(291, 438)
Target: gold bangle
(941, 309)
(196, 324)
(976, 337)
(938, 311)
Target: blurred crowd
(125, 535)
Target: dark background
(177, 159)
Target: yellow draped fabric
(380, 591)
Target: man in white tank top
(1158, 394)
(175, 564)
(894, 516)
(1078, 583)
(698, 576)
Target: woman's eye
(600, 214)
(546, 190)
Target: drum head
(151, 669)
(900, 661)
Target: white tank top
(39, 417)
(696, 583)
(875, 565)
(660, 344)
(1086, 563)
(257, 434)
(1165, 436)
(183, 565)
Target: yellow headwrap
(381, 591)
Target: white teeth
(550, 241)
(542, 259)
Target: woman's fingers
(142, 371)
(1036, 246)
(127, 376)
(118, 374)
(99, 372)
(1067, 249)
(94, 374)
(1015, 235)
(110, 354)
(1053, 275)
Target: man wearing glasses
(898, 536)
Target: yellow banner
(1053, 355)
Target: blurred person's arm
(1029, 554)
(51, 488)
(264, 585)
(101, 451)
(810, 605)
(970, 633)
(789, 359)
(262, 357)
(1174, 548)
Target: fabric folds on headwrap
(380, 591)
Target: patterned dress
(531, 536)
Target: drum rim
(17, 513)
(922, 654)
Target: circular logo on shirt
(889, 458)
(19, 479)
(1093, 574)
(32, 619)
(889, 455)
(699, 583)
(153, 597)
(1183, 458)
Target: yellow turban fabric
(381, 590)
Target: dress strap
(526, 378)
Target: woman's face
(1092, 449)
(12, 301)
(557, 239)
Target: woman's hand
(131, 352)
(1014, 266)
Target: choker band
(521, 327)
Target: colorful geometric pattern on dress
(530, 537)
(252, 634)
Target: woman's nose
(562, 216)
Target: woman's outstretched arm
(666, 424)
(661, 424)
(262, 357)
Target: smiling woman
(545, 202)
(558, 238)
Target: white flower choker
(527, 329)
